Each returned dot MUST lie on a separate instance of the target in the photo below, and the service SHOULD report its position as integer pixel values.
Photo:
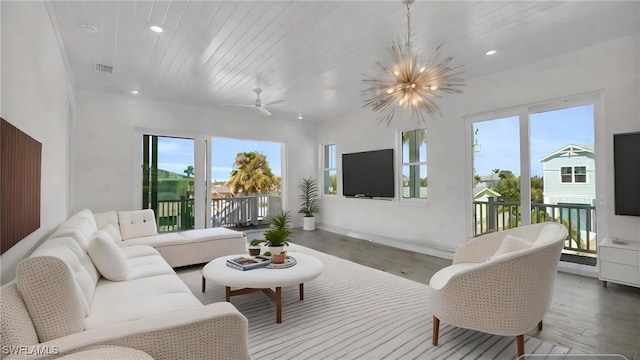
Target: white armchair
(500, 283)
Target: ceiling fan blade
(243, 105)
(263, 110)
(274, 102)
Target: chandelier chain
(408, 25)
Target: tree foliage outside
(509, 187)
(252, 175)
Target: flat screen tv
(626, 164)
(368, 174)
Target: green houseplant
(308, 202)
(276, 237)
(254, 247)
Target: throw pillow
(108, 258)
(510, 244)
(114, 233)
(137, 223)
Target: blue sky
(498, 144)
(175, 154)
(499, 141)
(224, 151)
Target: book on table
(248, 263)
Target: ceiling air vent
(104, 68)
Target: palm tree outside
(252, 175)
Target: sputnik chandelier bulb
(407, 84)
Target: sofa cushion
(78, 229)
(107, 257)
(131, 252)
(137, 223)
(77, 260)
(159, 240)
(117, 302)
(215, 233)
(147, 266)
(114, 233)
(86, 215)
(510, 244)
(51, 296)
(105, 218)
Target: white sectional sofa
(177, 248)
(79, 291)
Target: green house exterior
(569, 175)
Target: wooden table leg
(278, 305)
(204, 284)
(604, 284)
(301, 291)
(227, 293)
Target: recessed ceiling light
(300, 117)
(156, 29)
(135, 92)
(491, 52)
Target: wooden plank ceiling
(310, 53)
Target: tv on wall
(368, 174)
(626, 149)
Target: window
(580, 174)
(414, 164)
(575, 174)
(329, 182)
(566, 173)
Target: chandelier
(407, 84)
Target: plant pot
(309, 223)
(278, 254)
(254, 251)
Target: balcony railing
(580, 220)
(244, 210)
(173, 215)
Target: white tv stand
(619, 263)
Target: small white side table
(619, 263)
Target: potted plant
(254, 247)
(276, 237)
(309, 202)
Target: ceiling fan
(258, 104)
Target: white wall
(106, 145)
(35, 92)
(612, 67)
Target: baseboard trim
(428, 247)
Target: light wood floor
(583, 315)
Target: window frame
(574, 175)
(568, 174)
(401, 164)
(325, 169)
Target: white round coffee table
(262, 279)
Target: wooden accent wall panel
(20, 172)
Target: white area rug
(356, 312)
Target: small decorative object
(409, 84)
(309, 202)
(254, 247)
(276, 238)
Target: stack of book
(248, 263)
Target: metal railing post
(492, 215)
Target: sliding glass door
(168, 174)
(537, 165)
